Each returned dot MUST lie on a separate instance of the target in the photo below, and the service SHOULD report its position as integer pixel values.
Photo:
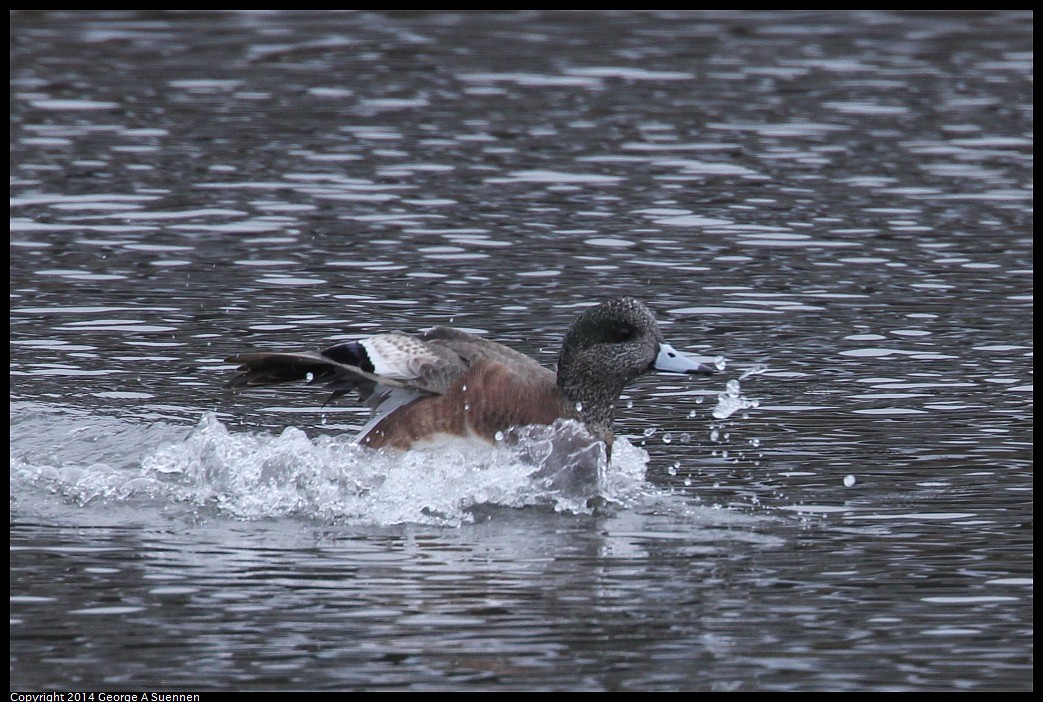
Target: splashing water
(757, 369)
(732, 400)
(253, 476)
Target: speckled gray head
(608, 346)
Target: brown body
(488, 398)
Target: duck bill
(670, 360)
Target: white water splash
(250, 476)
(732, 400)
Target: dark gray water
(838, 204)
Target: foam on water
(256, 475)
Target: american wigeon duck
(449, 382)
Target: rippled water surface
(838, 204)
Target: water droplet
(755, 443)
(672, 470)
(649, 431)
(463, 388)
(579, 406)
(699, 400)
(630, 404)
(309, 377)
(467, 407)
(849, 480)
(691, 414)
(499, 436)
(714, 434)
(667, 438)
(685, 438)
(720, 363)
(688, 482)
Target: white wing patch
(398, 356)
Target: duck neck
(593, 402)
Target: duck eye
(621, 333)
